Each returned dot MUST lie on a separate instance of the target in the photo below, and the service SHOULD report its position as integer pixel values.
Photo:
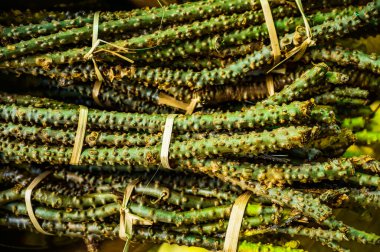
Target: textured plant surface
(291, 148)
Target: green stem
(193, 11)
(254, 118)
(367, 137)
(302, 202)
(365, 179)
(344, 57)
(238, 144)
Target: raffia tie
(28, 202)
(90, 55)
(298, 51)
(79, 136)
(234, 223)
(127, 219)
(274, 44)
(171, 101)
(166, 137)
